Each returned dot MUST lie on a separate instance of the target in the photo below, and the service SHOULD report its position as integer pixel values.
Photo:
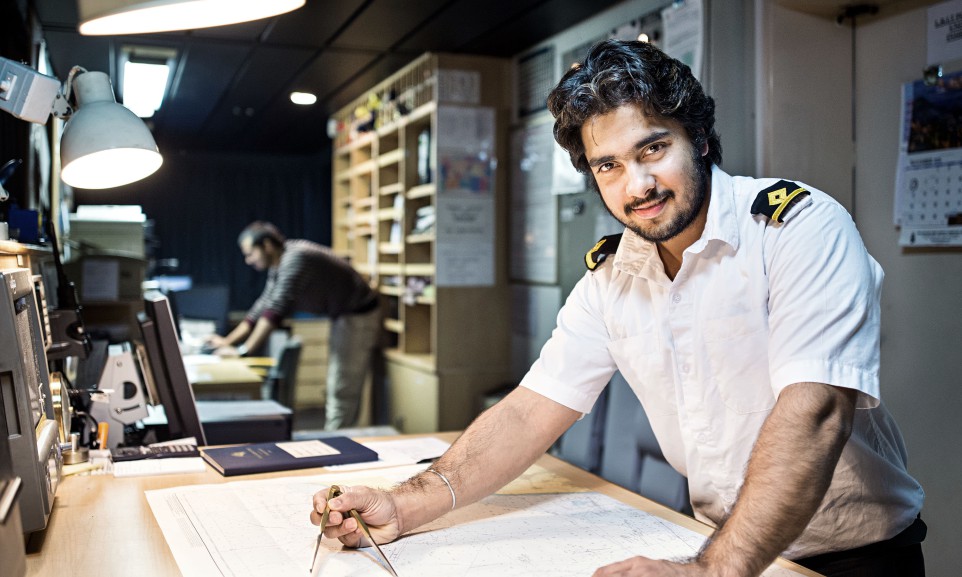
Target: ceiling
(230, 85)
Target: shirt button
(703, 437)
(685, 369)
(729, 498)
(676, 298)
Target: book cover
(284, 456)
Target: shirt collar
(639, 257)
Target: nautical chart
(261, 529)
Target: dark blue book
(286, 455)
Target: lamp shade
(104, 144)
(101, 17)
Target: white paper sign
(944, 32)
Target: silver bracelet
(454, 499)
(241, 349)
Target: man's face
(648, 172)
(256, 256)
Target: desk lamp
(103, 144)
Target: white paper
(465, 241)
(302, 449)
(258, 528)
(461, 86)
(168, 466)
(944, 32)
(398, 452)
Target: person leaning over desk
(743, 312)
(306, 276)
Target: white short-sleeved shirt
(755, 307)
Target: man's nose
(640, 181)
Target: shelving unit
(444, 287)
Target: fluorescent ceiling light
(303, 98)
(104, 17)
(144, 87)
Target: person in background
(743, 312)
(303, 276)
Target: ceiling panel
(331, 69)
(205, 73)
(315, 23)
(230, 88)
(386, 22)
(463, 22)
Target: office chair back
(283, 375)
(581, 445)
(632, 457)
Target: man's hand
(377, 508)
(645, 567)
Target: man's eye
(656, 147)
(605, 167)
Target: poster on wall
(465, 200)
(928, 182)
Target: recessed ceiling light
(303, 98)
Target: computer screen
(167, 370)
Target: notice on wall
(928, 182)
(465, 222)
(944, 32)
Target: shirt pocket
(646, 374)
(737, 353)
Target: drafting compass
(335, 491)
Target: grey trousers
(353, 341)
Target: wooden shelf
(433, 358)
(389, 189)
(421, 191)
(419, 238)
(394, 325)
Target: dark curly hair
(616, 73)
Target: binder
(253, 458)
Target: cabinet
(419, 209)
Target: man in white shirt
(744, 313)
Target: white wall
(806, 136)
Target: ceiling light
(303, 98)
(144, 87)
(104, 17)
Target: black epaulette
(597, 255)
(776, 200)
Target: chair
(581, 445)
(281, 379)
(632, 457)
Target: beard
(697, 185)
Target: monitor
(166, 368)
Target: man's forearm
(497, 447)
(788, 474)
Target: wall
(200, 201)
(808, 137)
(921, 300)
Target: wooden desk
(102, 525)
(228, 379)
